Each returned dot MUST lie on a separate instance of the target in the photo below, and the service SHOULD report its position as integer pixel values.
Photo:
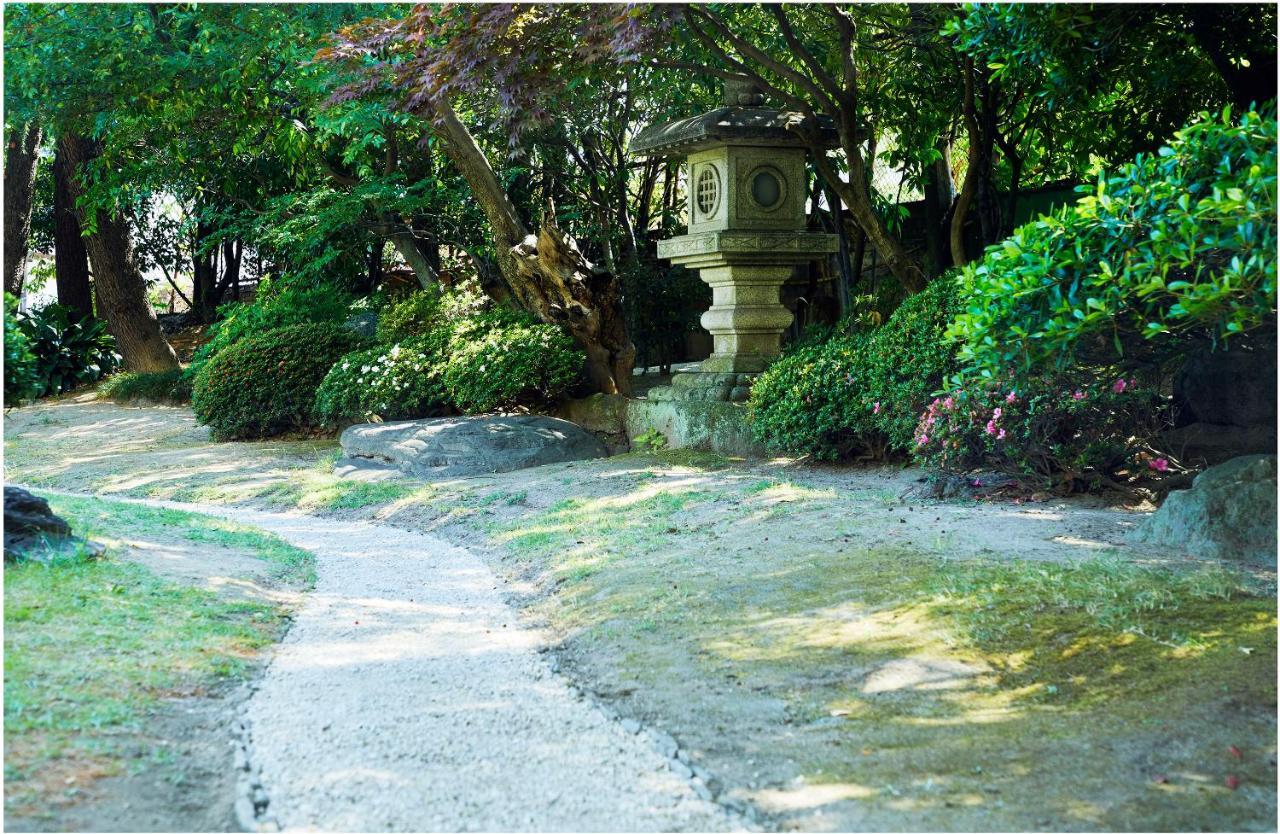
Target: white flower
(365, 369)
(346, 365)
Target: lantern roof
(732, 125)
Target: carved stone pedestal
(746, 271)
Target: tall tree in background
(70, 257)
(22, 145)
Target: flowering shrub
(266, 384)
(399, 382)
(860, 391)
(1072, 435)
(510, 365)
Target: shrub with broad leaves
(1176, 250)
(69, 351)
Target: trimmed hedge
(859, 392)
(266, 384)
(173, 386)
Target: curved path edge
(407, 696)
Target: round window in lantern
(766, 188)
(707, 194)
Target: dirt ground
(829, 645)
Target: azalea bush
(382, 383)
(1175, 250)
(510, 365)
(1063, 433)
(860, 389)
(266, 384)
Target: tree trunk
(547, 273)
(122, 292)
(19, 187)
(70, 258)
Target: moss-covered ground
(827, 643)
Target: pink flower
(876, 410)
(1119, 385)
(1000, 436)
(922, 439)
(1012, 398)
(1159, 464)
(948, 403)
(991, 427)
(1078, 395)
(995, 415)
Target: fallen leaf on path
(1233, 782)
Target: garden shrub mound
(266, 385)
(450, 351)
(859, 391)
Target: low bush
(173, 386)
(1175, 250)
(510, 365)
(1066, 435)
(400, 382)
(410, 317)
(861, 389)
(20, 378)
(266, 384)
(276, 305)
(68, 351)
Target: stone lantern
(747, 232)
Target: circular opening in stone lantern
(766, 188)
(708, 191)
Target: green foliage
(859, 391)
(266, 384)
(509, 366)
(457, 349)
(20, 378)
(399, 382)
(411, 317)
(1065, 435)
(68, 351)
(276, 305)
(172, 386)
(1175, 249)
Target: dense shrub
(860, 390)
(173, 386)
(382, 383)
(510, 365)
(1064, 434)
(68, 351)
(266, 384)
(410, 317)
(20, 378)
(1175, 249)
(275, 306)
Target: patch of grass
(106, 519)
(166, 387)
(91, 647)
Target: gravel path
(407, 696)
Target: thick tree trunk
(547, 273)
(20, 155)
(70, 258)
(122, 292)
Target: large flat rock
(459, 446)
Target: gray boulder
(32, 531)
(459, 446)
(1229, 513)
